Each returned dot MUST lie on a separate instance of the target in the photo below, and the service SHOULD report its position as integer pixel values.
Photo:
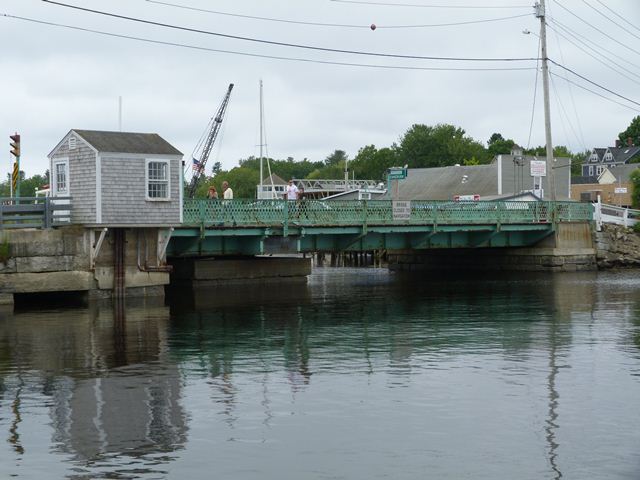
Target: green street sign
(397, 173)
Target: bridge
(249, 227)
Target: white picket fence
(611, 214)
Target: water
(360, 374)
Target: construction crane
(200, 163)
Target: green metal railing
(208, 213)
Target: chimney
(618, 143)
(630, 142)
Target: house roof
(622, 172)
(127, 142)
(583, 180)
(442, 183)
(624, 154)
(275, 178)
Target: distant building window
(60, 177)
(599, 170)
(158, 180)
(591, 171)
(608, 157)
(72, 143)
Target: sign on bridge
(402, 210)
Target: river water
(360, 374)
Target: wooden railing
(34, 212)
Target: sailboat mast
(260, 193)
(551, 181)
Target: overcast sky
(55, 79)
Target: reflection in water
(312, 372)
(107, 394)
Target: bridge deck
(248, 227)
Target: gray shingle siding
(124, 193)
(81, 178)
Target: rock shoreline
(617, 247)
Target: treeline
(421, 146)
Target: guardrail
(204, 212)
(604, 213)
(34, 212)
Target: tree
(372, 164)
(338, 156)
(425, 146)
(632, 132)
(635, 192)
(498, 145)
(217, 168)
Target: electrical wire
(606, 59)
(281, 44)
(340, 25)
(563, 110)
(618, 15)
(535, 93)
(270, 57)
(610, 19)
(599, 30)
(598, 94)
(592, 82)
(595, 46)
(422, 5)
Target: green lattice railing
(198, 212)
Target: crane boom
(208, 144)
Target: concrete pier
(73, 259)
(202, 272)
(570, 248)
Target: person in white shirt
(227, 193)
(292, 191)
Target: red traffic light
(15, 145)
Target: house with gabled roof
(118, 179)
(609, 158)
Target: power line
(339, 25)
(594, 46)
(422, 5)
(283, 44)
(562, 109)
(610, 19)
(598, 94)
(618, 15)
(600, 60)
(597, 29)
(256, 55)
(592, 82)
(535, 92)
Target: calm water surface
(358, 375)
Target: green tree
(498, 145)
(338, 156)
(217, 168)
(632, 132)
(635, 192)
(372, 164)
(425, 146)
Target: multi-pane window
(61, 177)
(157, 180)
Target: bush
(5, 251)
(635, 192)
(636, 227)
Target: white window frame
(599, 170)
(591, 171)
(147, 181)
(56, 191)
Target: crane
(200, 163)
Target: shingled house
(118, 178)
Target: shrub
(5, 251)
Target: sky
(54, 79)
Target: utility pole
(260, 193)
(551, 180)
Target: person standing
(212, 194)
(291, 192)
(227, 193)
